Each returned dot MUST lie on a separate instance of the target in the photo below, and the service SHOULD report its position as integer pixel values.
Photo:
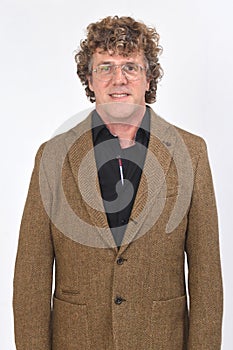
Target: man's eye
(105, 69)
(131, 67)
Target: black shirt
(119, 194)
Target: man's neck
(125, 132)
(124, 127)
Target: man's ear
(89, 78)
(148, 84)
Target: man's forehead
(110, 55)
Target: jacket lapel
(150, 198)
(83, 166)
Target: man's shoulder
(191, 140)
(79, 126)
(188, 137)
(64, 139)
(65, 132)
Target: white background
(40, 91)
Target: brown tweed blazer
(135, 298)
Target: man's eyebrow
(112, 62)
(106, 62)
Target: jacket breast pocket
(70, 326)
(169, 324)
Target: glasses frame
(95, 70)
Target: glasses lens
(105, 72)
(131, 70)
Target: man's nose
(118, 76)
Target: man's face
(118, 88)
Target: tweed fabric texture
(82, 313)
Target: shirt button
(118, 300)
(120, 260)
(123, 221)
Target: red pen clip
(121, 169)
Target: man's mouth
(119, 95)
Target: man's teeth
(119, 95)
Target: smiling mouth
(120, 95)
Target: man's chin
(116, 111)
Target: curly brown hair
(120, 35)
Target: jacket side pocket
(70, 326)
(169, 324)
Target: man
(116, 203)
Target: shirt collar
(101, 133)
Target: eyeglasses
(132, 71)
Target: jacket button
(118, 300)
(120, 260)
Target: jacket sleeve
(33, 271)
(203, 256)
